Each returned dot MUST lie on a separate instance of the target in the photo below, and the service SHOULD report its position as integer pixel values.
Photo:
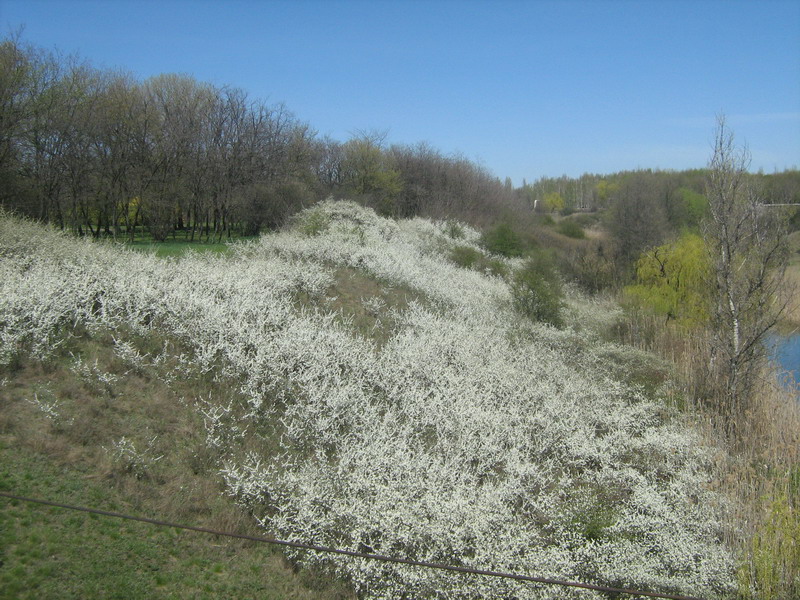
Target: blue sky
(526, 88)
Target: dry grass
(758, 471)
(366, 304)
(791, 318)
(764, 477)
(58, 432)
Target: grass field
(178, 244)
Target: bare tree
(748, 253)
(637, 219)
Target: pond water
(785, 351)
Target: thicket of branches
(102, 153)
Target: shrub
(586, 219)
(495, 267)
(537, 292)
(590, 265)
(571, 229)
(470, 258)
(455, 230)
(502, 239)
(369, 451)
(464, 256)
(313, 222)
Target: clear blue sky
(526, 88)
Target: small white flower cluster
(220, 423)
(468, 437)
(93, 375)
(137, 462)
(49, 405)
(128, 353)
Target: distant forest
(101, 153)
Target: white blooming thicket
(469, 437)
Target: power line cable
(380, 557)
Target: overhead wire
(364, 555)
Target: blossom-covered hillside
(451, 430)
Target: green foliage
(312, 222)
(455, 230)
(594, 521)
(695, 205)
(606, 190)
(503, 240)
(671, 280)
(369, 173)
(570, 228)
(470, 258)
(465, 256)
(553, 202)
(537, 291)
(774, 556)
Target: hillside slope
(393, 402)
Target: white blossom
(469, 437)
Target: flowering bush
(470, 437)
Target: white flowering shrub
(222, 428)
(130, 355)
(93, 375)
(49, 405)
(470, 437)
(139, 463)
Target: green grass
(56, 553)
(177, 247)
(179, 243)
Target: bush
(464, 256)
(312, 222)
(590, 265)
(502, 239)
(537, 292)
(470, 258)
(794, 221)
(571, 229)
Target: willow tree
(746, 241)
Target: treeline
(632, 211)
(593, 192)
(102, 153)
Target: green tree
(368, 172)
(553, 202)
(605, 190)
(694, 207)
(671, 280)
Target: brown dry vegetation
(59, 436)
(791, 319)
(350, 297)
(759, 472)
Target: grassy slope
(54, 553)
(47, 553)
